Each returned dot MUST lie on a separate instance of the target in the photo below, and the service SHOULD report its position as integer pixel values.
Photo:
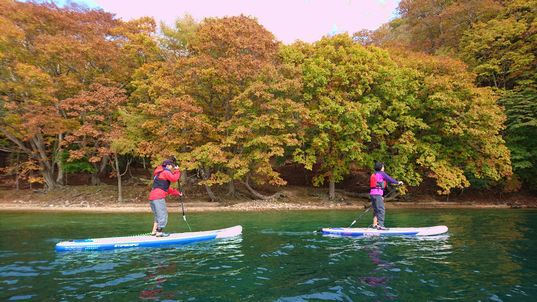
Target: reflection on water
(154, 272)
(486, 256)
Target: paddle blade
(188, 225)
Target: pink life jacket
(377, 184)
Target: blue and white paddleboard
(146, 240)
(357, 232)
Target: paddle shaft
(183, 209)
(367, 210)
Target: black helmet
(378, 166)
(168, 162)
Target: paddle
(183, 209)
(367, 210)
(181, 196)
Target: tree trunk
(231, 188)
(210, 192)
(17, 186)
(119, 185)
(50, 183)
(183, 181)
(59, 162)
(46, 164)
(35, 149)
(259, 195)
(205, 175)
(95, 179)
(99, 169)
(332, 189)
(60, 177)
(104, 162)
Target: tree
(177, 41)
(94, 112)
(338, 77)
(265, 128)
(521, 110)
(497, 41)
(461, 125)
(228, 55)
(436, 26)
(49, 54)
(420, 114)
(30, 119)
(502, 50)
(176, 126)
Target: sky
(288, 20)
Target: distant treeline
(445, 92)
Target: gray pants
(377, 202)
(158, 206)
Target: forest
(444, 94)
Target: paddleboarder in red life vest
(163, 176)
(378, 182)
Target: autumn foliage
(497, 41)
(233, 104)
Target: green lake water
(488, 255)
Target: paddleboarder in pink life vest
(378, 182)
(163, 176)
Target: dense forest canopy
(444, 92)
(497, 39)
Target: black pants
(377, 202)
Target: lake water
(488, 255)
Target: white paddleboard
(146, 240)
(356, 232)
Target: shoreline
(102, 199)
(245, 207)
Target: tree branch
(7, 150)
(127, 168)
(16, 141)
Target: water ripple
(283, 260)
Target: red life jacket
(161, 183)
(375, 184)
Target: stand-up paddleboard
(146, 240)
(357, 232)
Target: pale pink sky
(288, 20)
